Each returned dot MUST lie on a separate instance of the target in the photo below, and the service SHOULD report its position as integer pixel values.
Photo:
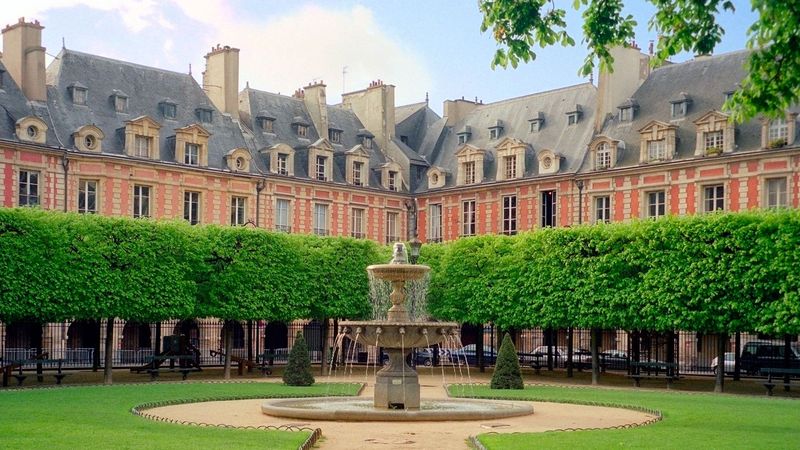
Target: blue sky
(419, 46)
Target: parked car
(581, 358)
(468, 352)
(423, 356)
(729, 363)
(614, 360)
(757, 355)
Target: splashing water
(416, 298)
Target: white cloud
(136, 15)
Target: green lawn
(689, 420)
(100, 417)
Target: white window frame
(510, 214)
(656, 204)
(320, 163)
(392, 226)
(142, 146)
(602, 209)
(282, 161)
(774, 199)
(510, 162)
(28, 194)
(392, 182)
(87, 191)
(357, 223)
(320, 219)
(778, 129)
(713, 202)
(191, 207)
(435, 221)
(657, 150)
(468, 217)
(603, 156)
(713, 139)
(469, 172)
(191, 154)
(357, 172)
(142, 195)
(238, 210)
(283, 208)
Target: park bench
(183, 368)
(653, 370)
(774, 376)
(266, 361)
(20, 376)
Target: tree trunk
(108, 364)
(324, 357)
(570, 336)
(96, 355)
(719, 385)
(595, 357)
(227, 337)
(38, 343)
(157, 347)
(479, 350)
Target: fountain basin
(398, 272)
(399, 334)
(360, 409)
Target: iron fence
(82, 345)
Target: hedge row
(715, 273)
(56, 266)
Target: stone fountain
(396, 384)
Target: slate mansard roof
(704, 82)
(284, 110)
(146, 88)
(16, 106)
(569, 141)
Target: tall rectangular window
(282, 215)
(335, 136)
(511, 166)
(775, 192)
(142, 146)
(358, 168)
(357, 223)
(656, 204)
(435, 222)
(714, 198)
(320, 219)
(392, 221)
(283, 164)
(602, 209)
(778, 132)
(191, 207)
(28, 188)
(468, 218)
(469, 172)
(392, 180)
(319, 168)
(191, 154)
(510, 214)
(120, 104)
(657, 150)
(87, 196)
(238, 210)
(548, 208)
(302, 131)
(141, 201)
(713, 140)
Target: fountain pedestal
(397, 384)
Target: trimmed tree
(298, 369)
(507, 374)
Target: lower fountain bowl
(358, 409)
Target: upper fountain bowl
(398, 272)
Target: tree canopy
(772, 83)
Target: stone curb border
(657, 414)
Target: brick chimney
(23, 56)
(221, 79)
(317, 106)
(631, 68)
(374, 107)
(456, 110)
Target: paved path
(409, 435)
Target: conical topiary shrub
(298, 369)
(507, 374)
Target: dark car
(423, 356)
(614, 360)
(468, 353)
(757, 355)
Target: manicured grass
(99, 417)
(689, 420)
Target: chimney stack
(23, 56)
(317, 106)
(221, 79)
(374, 107)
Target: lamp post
(415, 244)
(579, 184)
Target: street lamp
(415, 244)
(579, 184)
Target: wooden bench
(183, 369)
(20, 376)
(779, 373)
(653, 370)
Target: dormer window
(715, 134)
(778, 132)
(657, 150)
(713, 142)
(436, 177)
(88, 138)
(679, 106)
(574, 117)
(300, 126)
(142, 145)
(204, 115)
(367, 142)
(657, 142)
(464, 135)
(496, 130)
(266, 124)
(510, 159)
(470, 165)
(120, 101)
(191, 154)
(390, 176)
(282, 164)
(169, 109)
(469, 172)
(79, 93)
(537, 122)
(627, 110)
(281, 159)
(510, 166)
(191, 145)
(358, 171)
(392, 182)
(603, 156)
(319, 168)
(142, 138)
(238, 160)
(335, 135)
